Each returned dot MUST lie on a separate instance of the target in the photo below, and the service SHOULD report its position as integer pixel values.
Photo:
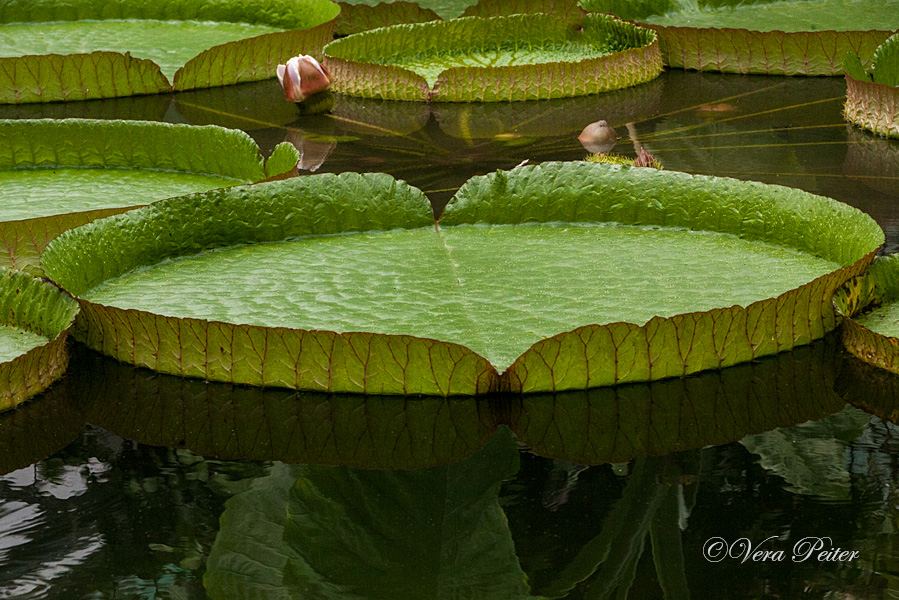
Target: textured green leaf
(811, 457)
(446, 9)
(617, 424)
(67, 62)
(62, 174)
(885, 67)
(429, 533)
(38, 308)
(873, 106)
(359, 17)
(240, 422)
(298, 329)
(853, 67)
(564, 9)
(301, 359)
(874, 336)
(520, 57)
(599, 355)
(781, 38)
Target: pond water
(121, 483)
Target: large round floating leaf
(648, 274)
(872, 101)
(55, 175)
(53, 50)
(872, 302)
(520, 57)
(780, 38)
(35, 318)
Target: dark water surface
(121, 483)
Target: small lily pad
(519, 57)
(320, 293)
(35, 318)
(872, 302)
(53, 50)
(872, 101)
(55, 175)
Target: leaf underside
(520, 57)
(43, 309)
(54, 77)
(872, 106)
(85, 146)
(874, 337)
(783, 38)
(589, 356)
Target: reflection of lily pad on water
(520, 57)
(515, 260)
(83, 49)
(35, 318)
(60, 174)
(783, 38)
(436, 532)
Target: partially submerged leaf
(520, 57)
(783, 38)
(82, 49)
(885, 67)
(43, 314)
(372, 326)
(60, 174)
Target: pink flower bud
(598, 137)
(302, 77)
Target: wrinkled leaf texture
(308, 26)
(589, 356)
(879, 286)
(748, 50)
(354, 60)
(42, 308)
(48, 143)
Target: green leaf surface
(458, 290)
(359, 17)
(241, 422)
(885, 67)
(82, 49)
(621, 352)
(784, 38)
(853, 67)
(61, 174)
(811, 457)
(520, 57)
(871, 337)
(44, 314)
(446, 9)
(429, 533)
(567, 10)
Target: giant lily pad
(872, 334)
(60, 174)
(520, 57)
(35, 318)
(872, 101)
(80, 49)
(783, 38)
(518, 258)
